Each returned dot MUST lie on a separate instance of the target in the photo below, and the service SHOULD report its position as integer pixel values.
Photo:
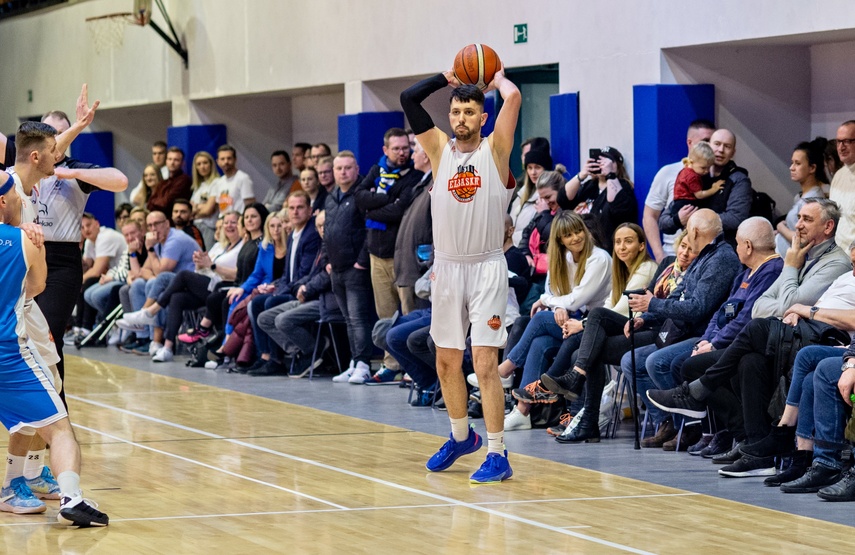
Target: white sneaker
(360, 373)
(162, 355)
(154, 347)
(115, 337)
(515, 420)
(345, 376)
(508, 382)
(139, 318)
(125, 325)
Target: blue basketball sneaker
(494, 470)
(44, 486)
(18, 499)
(453, 450)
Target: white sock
(34, 464)
(69, 484)
(496, 442)
(460, 428)
(14, 468)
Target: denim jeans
(643, 380)
(397, 338)
(153, 289)
(801, 392)
(829, 411)
(98, 296)
(355, 297)
(541, 338)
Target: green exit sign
(520, 33)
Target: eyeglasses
(324, 172)
(153, 224)
(845, 142)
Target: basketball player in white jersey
(469, 198)
(28, 398)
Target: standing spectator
(523, 209)
(299, 153)
(808, 170)
(233, 190)
(384, 195)
(181, 210)
(286, 182)
(151, 182)
(319, 151)
(178, 185)
(843, 184)
(603, 189)
(344, 238)
(662, 193)
(158, 160)
(204, 178)
(310, 184)
(325, 173)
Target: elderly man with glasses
(169, 252)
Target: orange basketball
(476, 64)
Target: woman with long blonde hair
(578, 280)
(204, 175)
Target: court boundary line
(353, 474)
(211, 467)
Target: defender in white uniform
(469, 199)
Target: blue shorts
(27, 394)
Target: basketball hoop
(108, 31)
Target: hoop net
(108, 31)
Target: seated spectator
(299, 153)
(102, 251)
(602, 188)
(808, 170)
(99, 295)
(139, 215)
(523, 209)
(151, 180)
(577, 281)
(631, 269)
(288, 325)
(704, 287)
(158, 159)
(689, 186)
(190, 289)
(843, 184)
(832, 160)
(800, 283)
(319, 152)
(219, 302)
(181, 210)
(204, 214)
(799, 419)
(169, 251)
(755, 248)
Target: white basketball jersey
(28, 209)
(468, 202)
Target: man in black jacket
(383, 196)
(344, 236)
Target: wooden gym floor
(183, 467)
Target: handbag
(669, 333)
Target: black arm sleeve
(412, 98)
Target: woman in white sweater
(577, 281)
(631, 268)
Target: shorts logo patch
(464, 184)
(495, 322)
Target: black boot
(569, 385)
(792, 468)
(780, 441)
(588, 430)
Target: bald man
(755, 246)
(733, 202)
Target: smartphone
(595, 154)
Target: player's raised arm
(429, 135)
(502, 138)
